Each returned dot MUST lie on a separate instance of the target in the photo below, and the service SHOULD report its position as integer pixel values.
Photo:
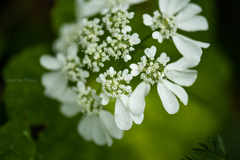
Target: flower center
(153, 71)
(90, 32)
(167, 25)
(89, 102)
(73, 71)
(115, 84)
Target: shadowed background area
(31, 126)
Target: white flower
(121, 45)
(97, 125)
(118, 18)
(90, 32)
(113, 86)
(94, 7)
(99, 128)
(156, 71)
(65, 68)
(178, 14)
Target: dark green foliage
(217, 151)
(62, 12)
(16, 142)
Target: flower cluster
(86, 47)
(90, 32)
(114, 84)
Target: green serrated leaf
(203, 146)
(212, 143)
(16, 142)
(221, 145)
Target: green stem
(144, 39)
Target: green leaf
(212, 143)
(16, 142)
(203, 146)
(24, 92)
(221, 145)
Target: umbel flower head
(178, 14)
(107, 38)
(156, 71)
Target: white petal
(163, 5)
(81, 86)
(183, 78)
(61, 58)
(136, 1)
(196, 23)
(201, 44)
(184, 63)
(110, 124)
(50, 62)
(69, 96)
(123, 118)
(176, 5)
(150, 52)
(147, 20)
(135, 39)
(93, 7)
(198, 43)
(79, 9)
(186, 47)
(84, 127)
(136, 102)
(69, 110)
(135, 72)
(55, 83)
(135, 69)
(72, 51)
(169, 101)
(189, 11)
(178, 91)
(158, 36)
(105, 98)
(137, 118)
(99, 134)
(127, 57)
(50, 78)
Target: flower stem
(144, 39)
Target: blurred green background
(32, 128)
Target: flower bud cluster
(117, 18)
(121, 45)
(152, 71)
(69, 35)
(114, 84)
(73, 69)
(88, 100)
(166, 24)
(95, 56)
(90, 32)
